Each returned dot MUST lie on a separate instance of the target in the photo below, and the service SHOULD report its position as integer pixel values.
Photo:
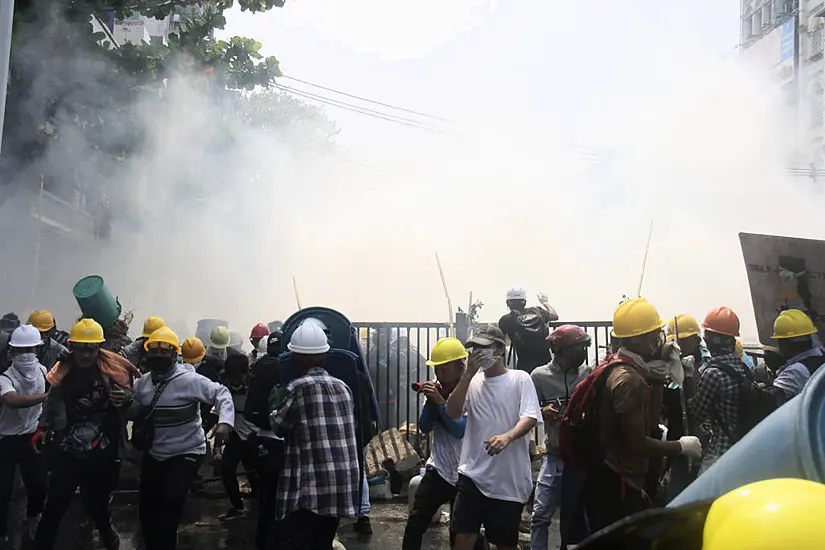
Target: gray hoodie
(552, 383)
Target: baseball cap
(487, 336)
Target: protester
(256, 336)
(241, 446)
(135, 352)
(50, 350)
(22, 392)
(495, 476)
(716, 402)
(269, 460)
(320, 481)
(8, 323)
(169, 396)
(81, 409)
(193, 352)
(793, 331)
(527, 329)
(555, 383)
(437, 487)
(675, 397)
(627, 410)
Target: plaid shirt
(716, 403)
(321, 473)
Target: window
(767, 14)
(757, 22)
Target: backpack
(264, 379)
(756, 400)
(530, 331)
(579, 435)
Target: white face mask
(485, 358)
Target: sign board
(784, 273)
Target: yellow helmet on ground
(192, 350)
(766, 515)
(163, 338)
(634, 318)
(42, 320)
(447, 350)
(792, 323)
(87, 331)
(687, 326)
(151, 325)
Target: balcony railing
(817, 44)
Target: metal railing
(396, 354)
(817, 44)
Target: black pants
(305, 530)
(433, 492)
(608, 498)
(94, 475)
(269, 461)
(16, 450)
(164, 485)
(238, 451)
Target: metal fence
(396, 355)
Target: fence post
(462, 326)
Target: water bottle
(414, 483)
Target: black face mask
(160, 364)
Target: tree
(69, 92)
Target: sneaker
(110, 538)
(362, 526)
(232, 513)
(32, 524)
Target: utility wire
(340, 159)
(361, 110)
(370, 100)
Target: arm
(522, 428)
(707, 390)
(455, 427)
(791, 380)
(427, 419)
(455, 403)
(216, 395)
(14, 400)
(285, 417)
(628, 395)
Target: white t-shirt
(494, 406)
(20, 421)
(446, 453)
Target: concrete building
(137, 29)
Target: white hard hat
(516, 293)
(315, 321)
(262, 345)
(235, 339)
(308, 339)
(25, 336)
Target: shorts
(472, 509)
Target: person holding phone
(555, 382)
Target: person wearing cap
(176, 451)
(315, 414)
(494, 473)
(793, 331)
(50, 350)
(82, 413)
(555, 383)
(135, 352)
(22, 392)
(192, 352)
(527, 329)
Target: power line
(362, 110)
(370, 100)
(340, 159)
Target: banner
(784, 273)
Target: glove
(689, 366)
(690, 446)
(543, 299)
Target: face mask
(578, 359)
(159, 365)
(24, 360)
(486, 358)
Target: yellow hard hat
(687, 325)
(219, 338)
(447, 350)
(87, 331)
(151, 325)
(776, 513)
(42, 320)
(192, 350)
(636, 317)
(792, 323)
(163, 337)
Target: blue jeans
(547, 498)
(364, 511)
